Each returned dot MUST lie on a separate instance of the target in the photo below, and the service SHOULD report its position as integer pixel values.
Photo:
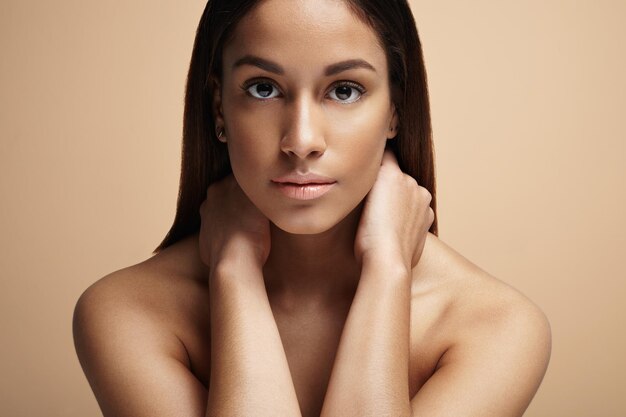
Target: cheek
(362, 168)
(363, 126)
(249, 145)
(360, 142)
(248, 162)
(362, 154)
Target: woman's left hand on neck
(395, 219)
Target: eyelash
(246, 85)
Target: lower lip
(305, 191)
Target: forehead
(304, 33)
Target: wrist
(386, 265)
(231, 277)
(236, 279)
(388, 259)
(238, 253)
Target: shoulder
(472, 297)
(490, 333)
(156, 294)
(128, 328)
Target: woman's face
(287, 108)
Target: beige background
(528, 103)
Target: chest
(310, 342)
(311, 339)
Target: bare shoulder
(159, 291)
(486, 333)
(128, 333)
(471, 295)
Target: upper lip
(308, 178)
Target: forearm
(370, 376)
(249, 371)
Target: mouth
(308, 191)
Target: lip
(304, 191)
(308, 178)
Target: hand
(231, 225)
(396, 216)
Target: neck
(313, 268)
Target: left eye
(263, 90)
(346, 93)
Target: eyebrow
(332, 69)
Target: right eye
(261, 90)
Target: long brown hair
(205, 159)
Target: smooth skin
(340, 306)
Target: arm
(135, 366)
(498, 357)
(371, 369)
(249, 371)
(493, 369)
(370, 376)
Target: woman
(273, 297)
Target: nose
(303, 135)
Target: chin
(312, 223)
(303, 225)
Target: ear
(392, 129)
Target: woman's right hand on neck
(232, 228)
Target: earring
(220, 133)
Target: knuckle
(409, 181)
(431, 213)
